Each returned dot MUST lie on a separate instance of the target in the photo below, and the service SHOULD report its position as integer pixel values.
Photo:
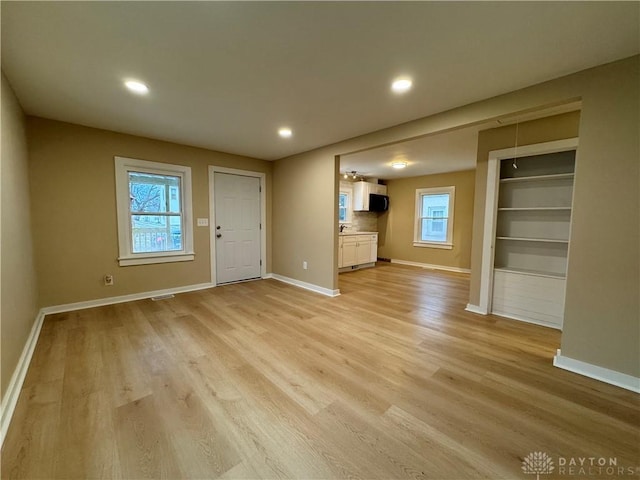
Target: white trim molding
(602, 374)
(10, 398)
(431, 266)
(126, 256)
(489, 234)
(100, 302)
(542, 323)
(307, 286)
(419, 215)
(475, 309)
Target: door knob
(218, 235)
(218, 227)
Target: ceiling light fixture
(398, 165)
(352, 173)
(136, 87)
(285, 132)
(401, 85)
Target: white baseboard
(602, 374)
(430, 266)
(475, 309)
(481, 311)
(542, 323)
(10, 398)
(69, 307)
(308, 286)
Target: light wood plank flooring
(393, 379)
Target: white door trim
(489, 235)
(212, 215)
(490, 213)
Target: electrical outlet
(304, 265)
(108, 280)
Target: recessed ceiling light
(136, 87)
(399, 165)
(401, 85)
(285, 132)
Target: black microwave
(378, 203)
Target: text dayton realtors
(593, 466)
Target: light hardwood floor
(393, 379)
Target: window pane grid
(155, 212)
(433, 216)
(343, 207)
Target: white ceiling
(443, 152)
(227, 75)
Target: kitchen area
(360, 203)
(377, 203)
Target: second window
(434, 217)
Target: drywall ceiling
(227, 75)
(445, 152)
(450, 151)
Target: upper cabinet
(361, 192)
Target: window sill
(444, 246)
(144, 259)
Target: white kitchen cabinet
(348, 254)
(373, 251)
(357, 249)
(361, 191)
(363, 249)
(378, 189)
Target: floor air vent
(162, 297)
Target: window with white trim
(345, 207)
(155, 224)
(434, 217)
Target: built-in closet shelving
(532, 236)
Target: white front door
(237, 227)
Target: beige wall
(602, 306)
(602, 312)
(18, 285)
(547, 129)
(602, 324)
(305, 217)
(396, 226)
(74, 211)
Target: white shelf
(526, 271)
(535, 178)
(543, 240)
(534, 209)
(532, 229)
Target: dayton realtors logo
(537, 463)
(541, 463)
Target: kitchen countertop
(356, 233)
